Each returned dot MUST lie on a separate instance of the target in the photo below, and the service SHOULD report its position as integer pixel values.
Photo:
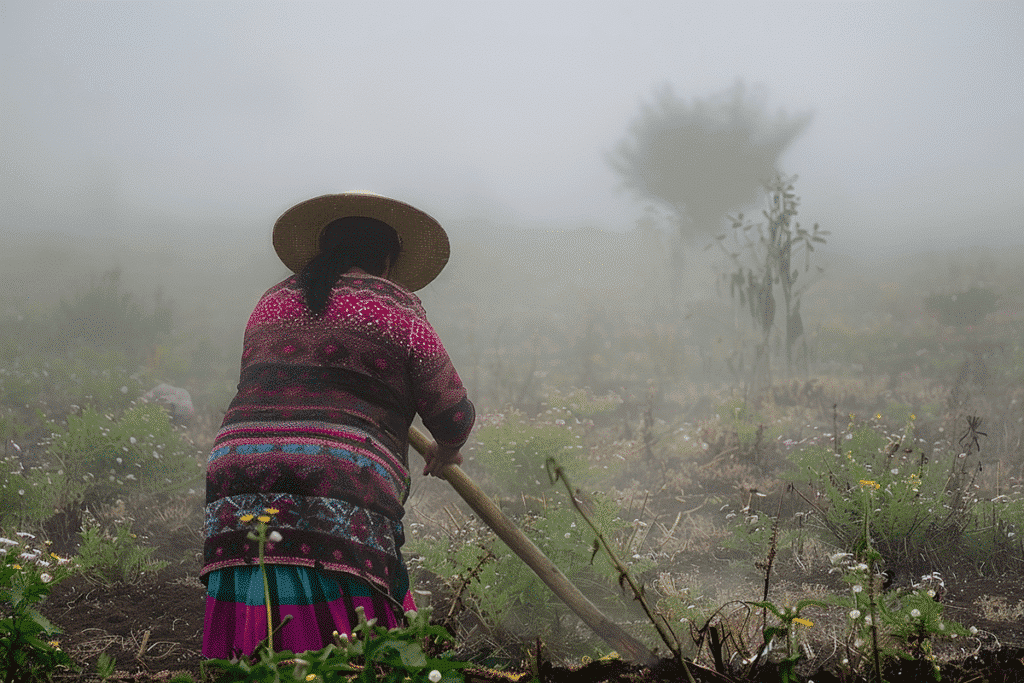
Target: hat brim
(425, 247)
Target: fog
(178, 120)
(148, 147)
(165, 138)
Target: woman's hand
(438, 456)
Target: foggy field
(570, 347)
(779, 445)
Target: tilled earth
(153, 629)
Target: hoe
(628, 646)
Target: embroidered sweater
(317, 436)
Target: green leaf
(43, 622)
(411, 654)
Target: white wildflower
(855, 614)
(434, 676)
(839, 557)
(915, 613)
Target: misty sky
(121, 116)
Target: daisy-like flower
(246, 518)
(870, 483)
(45, 578)
(803, 622)
(263, 518)
(915, 613)
(271, 511)
(855, 614)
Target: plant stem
(266, 586)
(869, 556)
(664, 631)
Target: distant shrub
(138, 452)
(106, 316)
(964, 308)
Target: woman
(337, 360)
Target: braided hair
(346, 243)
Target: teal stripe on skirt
(319, 603)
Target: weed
(108, 560)
(105, 666)
(96, 456)
(921, 505)
(28, 651)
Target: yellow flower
(271, 511)
(870, 483)
(16, 566)
(263, 518)
(878, 416)
(803, 622)
(54, 644)
(245, 518)
(913, 417)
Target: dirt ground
(154, 628)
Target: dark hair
(353, 241)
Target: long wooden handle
(627, 646)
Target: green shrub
(28, 651)
(29, 496)
(119, 558)
(513, 450)
(922, 507)
(138, 452)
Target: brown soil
(154, 628)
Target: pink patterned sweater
(318, 430)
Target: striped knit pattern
(318, 431)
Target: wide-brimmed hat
(425, 247)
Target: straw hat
(425, 247)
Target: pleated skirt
(319, 603)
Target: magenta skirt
(319, 603)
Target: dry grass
(998, 609)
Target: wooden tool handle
(627, 646)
